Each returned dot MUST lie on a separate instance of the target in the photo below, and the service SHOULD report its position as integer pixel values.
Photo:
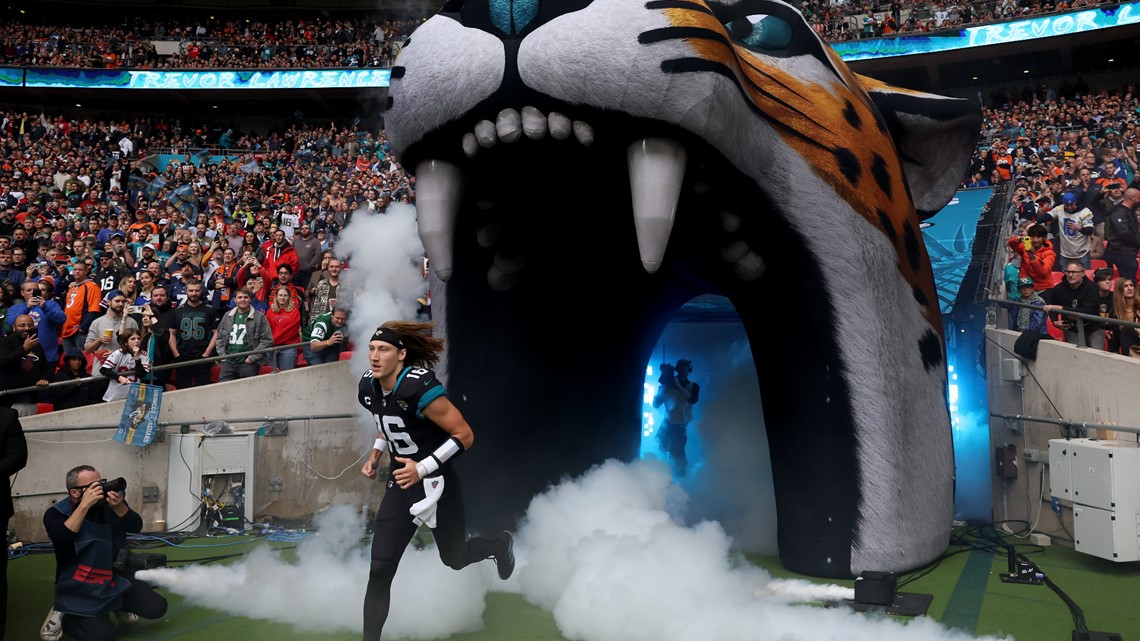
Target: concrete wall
(1063, 382)
(317, 460)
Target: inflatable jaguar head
(586, 167)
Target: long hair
(423, 349)
(1120, 305)
(274, 307)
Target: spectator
(128, 364)
(279, 253)
(82, 306)
(243, 329)
(48, 317)
(103, 336)
(1123, 234)
(1037, 256)
(308, 250)
(1075, 294)
(156, 320)
(74, 368)
(1126, 307)
(326, 337)
(284, 317)
(1073, 227)
(223, 281)
(193, 335)
(1024, 319)
(22, 364)
(324, 296)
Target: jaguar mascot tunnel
(585, 168)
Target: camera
(666, 368)
(113, 485)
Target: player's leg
(392, 531)
(450, 532)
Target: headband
(388, 336)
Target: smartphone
(134, 309)
(1028, 243)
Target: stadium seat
(346, 355)
(1055, 332)
(44, 408)
(215, 372)
(1058, 277)
(1098, 263)
(301, 362)
(265, 369)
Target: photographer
(327, 337)
(678, 394)
(93, 576)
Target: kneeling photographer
(93, 577)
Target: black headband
(388, 336)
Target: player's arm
(443, 413)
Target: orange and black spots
(912, 245)
(882, 175)
(920, 296)
(851, 115)
(848, 164)
(930, 347)
(887, 225)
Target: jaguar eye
(761, 31)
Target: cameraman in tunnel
(93, 573)
(678, 394)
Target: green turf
(966, 587)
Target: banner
(139, 422)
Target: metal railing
(1065, 312)
(202, 421)
(156, 368)
(1083, 426)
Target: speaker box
(876, 588)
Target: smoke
(605, 553)
(385, 260)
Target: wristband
(381, 445)
(451, 448)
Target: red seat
(215, 372)
(301, 362)
(44, 408)
(265, 369)
(1058, 277)
(346, 355)
(1098, 263)
(1055, 332)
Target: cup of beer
(108, 333)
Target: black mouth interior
(547, 361)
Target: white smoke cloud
(604, 553)
(384, 275)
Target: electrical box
(210, 481)
(1108, 534)
(1011, 370)
(1102, 479)
(1005, 461)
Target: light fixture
(973, 77)
(1112, 59)
(1026, 71)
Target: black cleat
(505, 561)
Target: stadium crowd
(839, 20)
(295, 42)
(208, 43)
(95, 244)
(1070, 158)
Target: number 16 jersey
(399, 415)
